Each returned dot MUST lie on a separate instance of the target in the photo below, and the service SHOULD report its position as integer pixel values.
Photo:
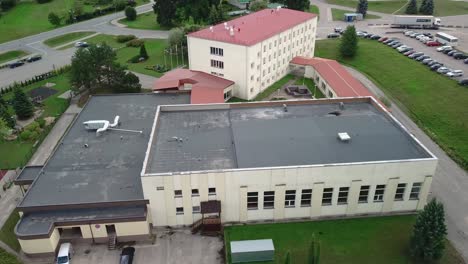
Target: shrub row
(125, 38)
(118, 5)
(135, 43)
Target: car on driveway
(436, 66)
(396, 45)
(452, 52)
(423, 57)
(126, 257)
(338, 30)
(443, 70)
(463, 82)
(382, 39)
(447, 51)
(465, 61)
(415, 55)
(81, 44)
(460, 56)
(454, 73)
(409, 52)
(432, 44)
(426, 61)
(404, 49)
(375, 37)
(408, 33)
(16, 64)
(432, 63)
(333, 35)
(444, 48)
(34, 58)
(361, 34)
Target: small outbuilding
(350, 17)
(252, 250)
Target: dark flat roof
(108, 170)
(264, 135)
(28, 175)
(42, 223)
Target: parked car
(432, 43)
(388, 41)
(333, 35)
(452, 52)
(393, 42)
(126, 257)
(361, 34)
(403, 47)
(65, 253)
(444, 48)
(382, 39)
(427, 34)
(454, 73)
(463, 82)
(465, 61)
(338, 30)
(447, 51)
(432, 63)
(460, 56)
(375, 37)
(34, 58)
(415, 55)
(396, 45)
(423, 57)
(443, 70)
(81, 44)
(408, 33)
(409, 52)
(436, 66)
(426, 61)
(414, 34)
(418, 37)
(16, 64)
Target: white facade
(253, 68)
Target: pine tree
(143, 53)
(130, 13)
(300, 5)
(427, 7)
(428, 239)
(362, 8)
(423, 6)
(22, 105)
(349, 40)
(412, 7)
(314, 251)
(165, 12)
(5, 115)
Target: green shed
(252, 250)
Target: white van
(65, 254)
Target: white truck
(423, 22)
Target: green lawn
(19, 151)
(277, 85)
(314, 9)
(338, 14)
(11, 55)
(63, 39)
(7, 258)
(436, 103)
(382, 240)
(442, 7)
(311, 86)
(7, 234)
(154, 47)
(29, 18)
(143, 21)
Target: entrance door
(110, 229)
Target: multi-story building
(254, 50)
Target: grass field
(314, 9)
(277, 85)
(11, 55)
(7, 234)
(436, 103)
(143, 21)
(442, 7)
(382, 240)
(19, 151)
(63, 39)
(338, 14)
(311, 86)
(154, 47)
(29, 17)
(6, 258)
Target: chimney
(231, 32)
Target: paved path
(450, 183)
(9, 199)
(146, 80)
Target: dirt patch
(42, 92)
(49, 120)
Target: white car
(407, 33)
(81, 44)
(443, 70)
(454, 73)
(444, 48)
(402, 47)
(361, 34)
(419, 37)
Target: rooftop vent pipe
(344, 137)
(285, 108)
(341, 106)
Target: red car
(382, 39)
(432, 43)
(409, 53)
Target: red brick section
(253, 28)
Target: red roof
(206, 88)
(256, 27)
(339, 79)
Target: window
(252, 78)
(252, 65)
(179, 210)
(160, 188)
(414, 194)
(379, 193)
(217, 64)
(400, 191)
(212, 191)
(275, 43)
(364, 194)
(178, 193)
(343, 195)
(330, 94)
(306, 197)
(268, 200)
(264, 60)
(327, 196)
(290, 198)
(227, 95)
(216, 51)
(252, 200)
(196, 209)
(195, 192)
(269, 45)
(269, 58)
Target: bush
(130, 13)
(134, 59)
(25, 135)
(41, 122)
(136, 43)
(120, 5)
(124, 38)
(7, 4)
(34, 126)
(43, 1)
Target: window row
(195, 210)
(217, 64)
(216, 51)
(195, 192)
(327, 196)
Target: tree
(428, 239)
(314, 251)
(7, 4)
(412, 7)
(54, 19)
(165, 12)
(288, 258)
(362, 7)
(300, 5)
(257, 5)
(22, 105)
(176, 37)
(143, 53)
(5, 115)
(427, 7)
(126, 82)
(349, 41)
(216, 15)
(5, 130)
(130, 13)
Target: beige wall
(38, 246)
(321, 84)
(232, 188)
(256, 67)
